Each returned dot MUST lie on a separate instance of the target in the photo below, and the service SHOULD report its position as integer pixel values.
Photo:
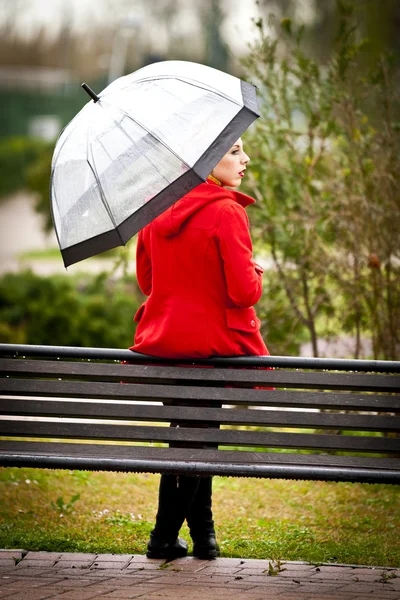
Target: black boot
(174, 498)
(200, 521)
(206, 547)
(159, 548)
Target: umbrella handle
(91, 93)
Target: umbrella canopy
(137, 147)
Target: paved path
(72, 576)
(21, 230)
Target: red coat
(194, 262)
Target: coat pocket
(243, 319)
(139, 313)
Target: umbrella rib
(197, 84)
(124, 132)
(145, 155)
(53, 195)
(105, 203)
(104, 148)
(102, 195)
(192, 82)
(153, 136)
(70, 126)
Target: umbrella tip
(91, 93)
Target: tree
(216, 50)
(327, 184)
(377, 21)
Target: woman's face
(230, 169)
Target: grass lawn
(54, 253)
(255, 518)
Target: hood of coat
(171, 220)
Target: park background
(326, 227)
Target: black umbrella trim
(230, 134)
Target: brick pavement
(73, 576)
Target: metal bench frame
(107, 414)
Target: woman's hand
(258, 268)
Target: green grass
(46, 254)
(55, 254)
(255, 518)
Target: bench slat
(151, 392)
(222, 376)
(224, 437)
(137, 412)
(202, 462)
(229, 456)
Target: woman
(194, 262)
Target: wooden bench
(80, 408)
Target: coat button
(253, 323)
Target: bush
(281, 330)
(67, 311)
(17, 154)
(325, 164)
(38, 176)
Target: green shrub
(17, 154)
(67, 311)
(38, 176)
(281, 330)
(324, 170)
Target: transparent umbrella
(137, 147)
